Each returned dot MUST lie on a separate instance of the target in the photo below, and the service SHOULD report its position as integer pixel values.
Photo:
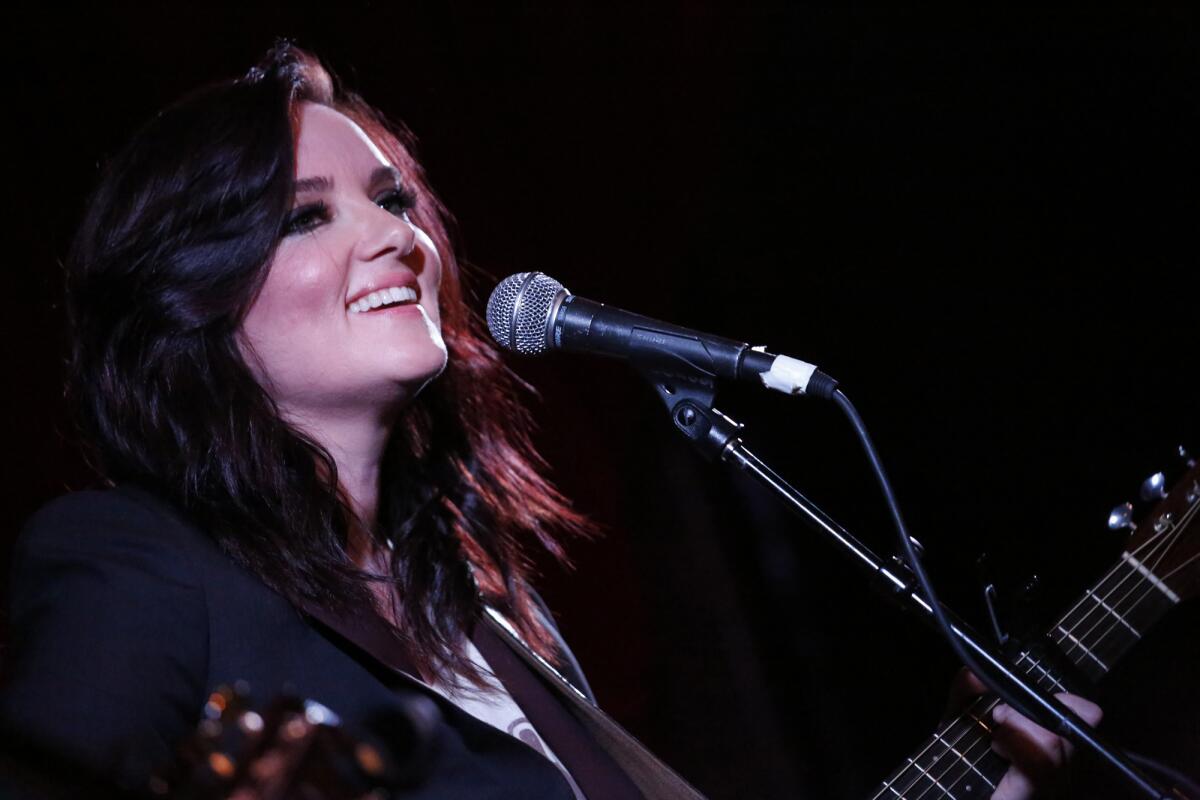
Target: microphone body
(531, 313)
(586, 326)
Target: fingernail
(1000, 714)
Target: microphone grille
(518, 312)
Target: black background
(983, 223)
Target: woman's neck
(356, 444)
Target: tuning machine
(1154, 488)
(1121, 517)
(1188, 461)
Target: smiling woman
(319, 476)
(318, 479)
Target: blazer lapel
(370, 635)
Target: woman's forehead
(331, 142)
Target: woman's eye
(398, 201)
(305, 218)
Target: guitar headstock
(1167, 541)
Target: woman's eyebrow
(319, 184)
(387, 174)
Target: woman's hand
(1037, 756)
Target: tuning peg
(1154, 487)
(1187, 457)
(1121, 517)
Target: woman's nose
(386, 234)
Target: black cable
(914, 560)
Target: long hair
(176, 241)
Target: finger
(971, 681)
(1021, 740)
(1088, 711)
(963, 689)
(1015, 785)
(1037, 754)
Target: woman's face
(347, 320)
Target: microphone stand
(689, 399)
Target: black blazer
(125, 617)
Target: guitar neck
(1113, 615)
(957, 761)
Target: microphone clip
(689, 400)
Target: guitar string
(961, 756)
(960, 752)
(1168, 538)
(937, 736)
(950, 747)
(1154, 541)
(984, 738)
(1175, 532)
(888, 786)
(1151, 540)
(1082, 646)
(1152, 590)
(1146, 582)
(988, 748)
(1181, 566)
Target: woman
(323, 484)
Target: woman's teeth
(384, 297)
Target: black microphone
(530, 313)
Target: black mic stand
(689, 399)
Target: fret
(1108, 620)
(1113, 587)
(1120, 619)
(1075, 643)
(956, 762)
(986, 728)
(1045, 675)
(978, 769)
(1110, 640)
(965, 759)
(925, 781)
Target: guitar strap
(654, 779)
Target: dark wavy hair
(175, 243)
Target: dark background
(982, 222)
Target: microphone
(531, 313)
